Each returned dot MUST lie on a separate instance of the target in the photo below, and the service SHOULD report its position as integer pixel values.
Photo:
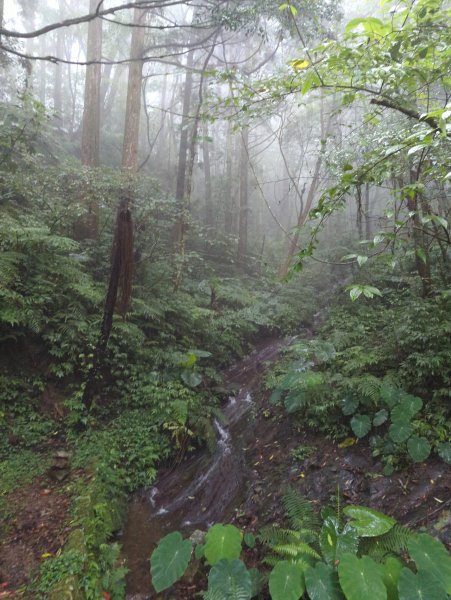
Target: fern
(294, 551)
(300, 512)
(393, 542)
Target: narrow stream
(204, 489)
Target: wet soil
(36, 529)
(243, 482)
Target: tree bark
(207, 174)
(58, 79)
(302, 218)
(90, 132)
(244, 199)
(183, 152)
(228, 209)
(133, 106)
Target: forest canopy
(182, 185)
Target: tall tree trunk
(122, 251)
(368, 230)
(302, 218)
(58, 77)
(43, 71)
(90, 131)
(184, 212)
(422, 261)
(183, 152)
(244, 198)
(86, 228)
(228, 210)
(133, 106)
(207, 174)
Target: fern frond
(393, 542)
(295, 550)
(300, 512)
(273, 535)
(369, 386)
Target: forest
(225, 300)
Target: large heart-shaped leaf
(169, 560)
(286, 581)
(361, 578)
(391, 570)
(222, 542)
(407, 408)
(361, 424)
(335, 541)
(231, 579)
(322, 583)
(420, 586)
(419, 448)
(431, 556)
(369, 522)
(349, 405)
(380, 417)
(400, 431)
(389, 393)
(444, 451)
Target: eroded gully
(205, 488)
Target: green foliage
(301, 452)
(361, 578)
(222, 542)
(54, 570)
(20, 467)
(286, 581)
(332, 560)
(322, 583)
(169, 560)
(420, 585)
(132, 443)
(231, 580)
(431, 556)
(364, 383)
(368, 522)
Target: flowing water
(203, 489)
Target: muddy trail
(245, 478)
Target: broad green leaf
(191, 378)
(361, 578)
(354, 293)
(353, 24)
(258, 580)
(322, 583)
(334, 542)
(369, 522)
(222, 542)
(380, 417)
(361, 425)
(419, 448)
(420, 252)
(169, 560)
(391, 570)
(349, 405)
(249, 540)
(431, 556)
(400, 431)
(232, 579)
(409, 406)
(444, 451)
(389, 393)
(286, 581)
(420, 586)
(361, 260)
